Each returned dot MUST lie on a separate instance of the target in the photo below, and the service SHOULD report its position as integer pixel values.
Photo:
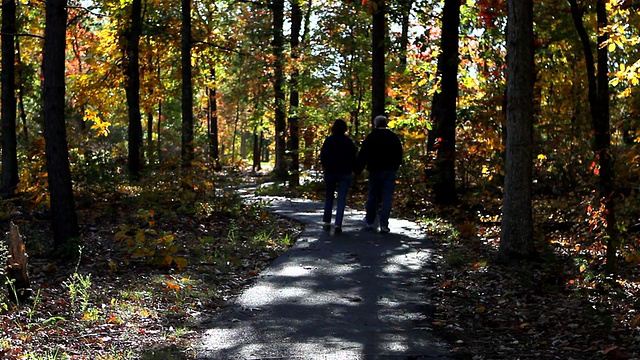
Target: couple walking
(381, 155)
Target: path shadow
(357, 295)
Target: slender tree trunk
(64, 218)
(159, 132)
(214, 146)
(9, 134)
(23, 115)
(444, 106)
(294, 116)
(149, 136)
(603, 139)
(133, 90)
(378, 74)
(517, 220)
(599, 103)
(280, 169)
(256, 150)
(405, 8)
(187, 91)
(236, 120)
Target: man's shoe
(367, 227)
(338, 230)
(326, 226)
(384, 230)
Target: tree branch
(220, 47)
(25, 35)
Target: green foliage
(79, 286)
(157, 249)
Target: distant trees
(220, 76)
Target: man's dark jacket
(381, 151)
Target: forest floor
(172, 265)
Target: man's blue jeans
(333, 182)
(381, 186)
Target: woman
(338, 158)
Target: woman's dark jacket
(338, 154)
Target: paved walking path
(356, 295)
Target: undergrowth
(155, 259)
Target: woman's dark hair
(339, 127)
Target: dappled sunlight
(348, 295)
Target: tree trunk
(256, 151)
(149, 136)
(214, 146)
(159, 133)
(21, 92)
(9, 137)
(378, 74)
(405, 9)
(444, 106)
(603, 140)
(187, 91)
(599, 103)
(64, 218)
(280, 169)
(133, 90)
(294, 116)
(517, 220)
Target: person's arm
(323, 153)
(399, 151)
(363, 156)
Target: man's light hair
(380, 121)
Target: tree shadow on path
(357, 295)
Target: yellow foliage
(101, 127)
(180, 262)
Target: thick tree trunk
(517, 220)
(64, 218)
(294, 116)
(187, 91)
(280, 169)
(444, 106)
(133, 90)
(9, 137)
(378, 73)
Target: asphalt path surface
(355, 295)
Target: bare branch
(24, 35)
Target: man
(381, 154)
